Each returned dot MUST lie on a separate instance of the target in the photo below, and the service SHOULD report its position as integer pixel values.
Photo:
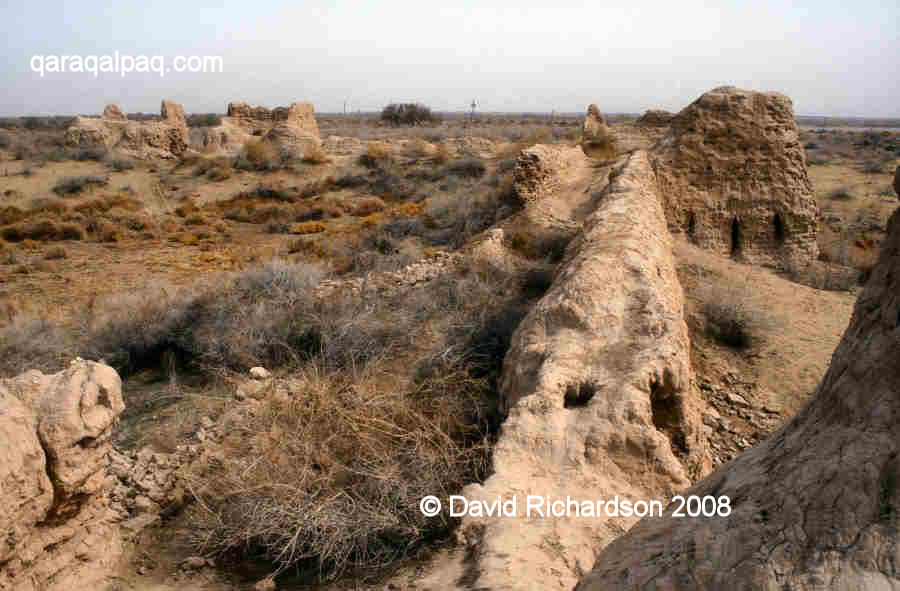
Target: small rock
(207, 423)
(138, 523)
(260, 373)
(737, 399)
(193, 563)
(266, 584)
(143, 504)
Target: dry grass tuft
(732, 319)
(74, 185)
(56, 252)
(307, 228)
(258, 155)
(377, 155)
(603, 146)
(442, 153)
(315, 155)
(367, 205)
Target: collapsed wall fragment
(292, 129)
(167, 138)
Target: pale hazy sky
(832, 57)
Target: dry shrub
(120, 163)
(417, 148)
(840, 194)
(367, 205)
(307, 228)
(329, 473)
(195, 220)
(315, 154)
(535, 246)
(732, 318)
(471, 168)
(442, 153)
(74, 185)
(42, 230)
(333, 473)
(186, 209)
(11, 214)
(104, 204)
(317, 210)
(377, 155)
(70, 232)
(603, 146)
(260, 154)
(307, 247)
(56, 252)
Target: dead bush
(602, 146)
(330, 475)
(442, 154)
(841, 194)
(368, 205)
(417, 148)
(469, 168)
(307, 228)
(535, 246)
(350, 181)
(259, 155)
(120, 163)
(377, 155)
(315, 155)
(42, 231)
(731, 317)
(74, 185)
(56, 252)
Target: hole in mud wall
(778, 227)
(578, 395)
(667, 416)
(735, 237)
(692, 226)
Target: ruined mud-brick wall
(597, 389)
(733, 177)
(292, 128)
(113, 132)
(816, 506)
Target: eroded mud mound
(55, 436)
(815, 507)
